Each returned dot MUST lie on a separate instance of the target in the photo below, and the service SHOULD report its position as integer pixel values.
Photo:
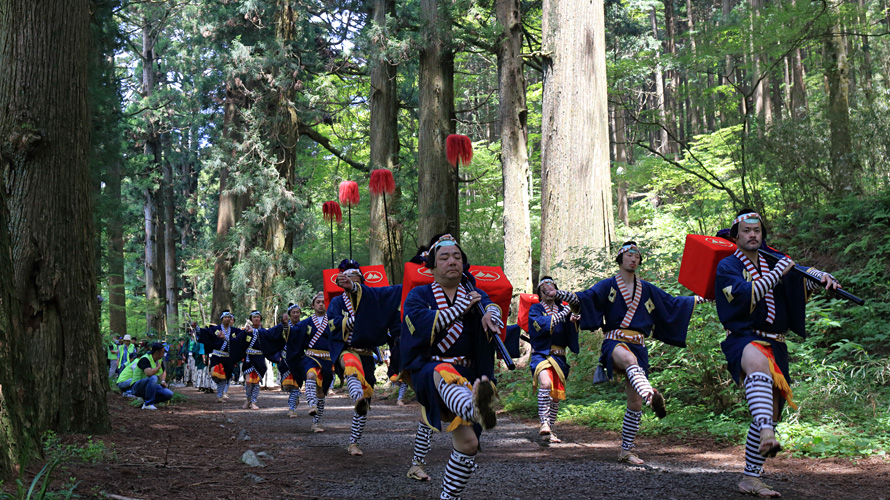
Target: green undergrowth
(840, 373)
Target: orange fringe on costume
(218, 373)
(451, 376)
(288, 384)
(778, 378)
(352, 365)
(252, 378)
(318, 378)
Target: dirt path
(192, 450)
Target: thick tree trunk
(437, 187)
(385, 245)
(513, 117)
(576, 190)
(672, 83)
(762, 103)
(229, 212)
(844, 168)
(117, 311)
(55, 354)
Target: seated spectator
(149, 378)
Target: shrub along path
(191, 450)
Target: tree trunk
(384, 245)
(55, 354)
(229, 212)
(663, 145)
(154, 306)
(672, 85)
(513, 116)
(762, 102)
(844, 168)
(437, 187)
(622, 159)
(170, 261)
(799, 108)
(117, 311)
(576, 190)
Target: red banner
(698, 269)
(491, 280)
(375, 276)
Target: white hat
(128, 337)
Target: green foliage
(38, 488)
(90, 452)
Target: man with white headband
(360, 320)
(551, 331)
(254, 366)
(446, 349)
(629, 310)
(758, 302)
(223, 341)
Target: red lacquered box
(491, 280)
(698, 269)
(375, 276)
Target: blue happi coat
(419, 342)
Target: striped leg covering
(403, 388)
(320, 404)
(554, 411)
(640, 383)
(355, 388)
(293, 399)
(248, 391)
(311, 389)
(629, 428)
(358, 426)
(759, 393)
(753, 459)
(254, 393)
(457, 473)
(421, 444)
(458, 398)
(222, 389)
(544, 405)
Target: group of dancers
(441, 339)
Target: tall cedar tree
(59, 372)
(576, 190)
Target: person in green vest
(111, 354)
(126, 353)
(146, 378)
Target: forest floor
(191, 450)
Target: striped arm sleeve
(812, 285)
(449, 315)
(349, 323)
(495, 314)
(767, 281)
(701, 300)
(567, 296)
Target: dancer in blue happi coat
(278, 344)
(629, 310)
(313, 366)
(551, 330)
(226, 344)
(758, 302)
(359, 319)
(254, 366)
(446, 349)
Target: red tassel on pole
(349, 193)
(332, 212)
(458, 149)
(382, 182)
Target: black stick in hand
(803, 272)
(498, 343)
